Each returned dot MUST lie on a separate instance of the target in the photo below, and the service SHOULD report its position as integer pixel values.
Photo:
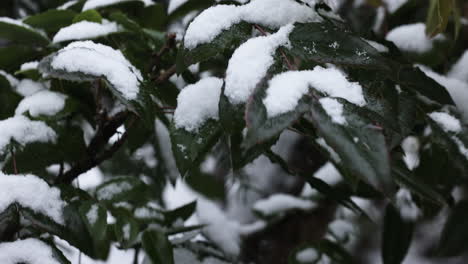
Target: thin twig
(13, 156)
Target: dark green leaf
(454, 235)
(397, 235)
(22, 34)
(88, 15)
(157, 247)
(9, 222)
(184, 212)
(51, 20)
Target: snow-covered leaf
(121, 189)
(20, 32)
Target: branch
(166, 75)
(95, 153)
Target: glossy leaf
(397, 236)
(157, 247)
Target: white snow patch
(457, 89)
(379, 47)
(32, 65)
(27, 87)
(197, 103)
(174, 4)
(307, 255)
(446, 121)
(109, 191)
(278, 203)
(461, 146)
(335, 157)
(24, 131)
(250, 62)
(100, 60)
(393, 5)
(334, 109)
(16, 22)
(32, 192)
(93, 4)
(43, 102)
(287, 88)
(148, 213)
(92, 214)
(459, 70)
(412, 38)
(86, 30)
(30, 250)
(409, 211)
(66, 5)
(410, 146)
(12, 80)
(270, 13)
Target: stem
(15, 168)
(135, 256)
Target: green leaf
(397, 235)
(327, 43)
(88, 15)
(8, 99)
(95, 218)
(22, 34)
(51, 20)
(190, 6)
(190, 147)
(11, 57)
(227, 40)
(438, 16)
(9, 223)
(121, 189)
(184, 212)
(157, 247)
(454, 235)
(360, 145)
(126, 229)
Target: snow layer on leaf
(409, 211)
(307, 255)
(109, 191)
(66, 5)
(27, 87)
(285, 89)
(410, 146)
(270, 13)
(44, 102)
(30, 250)
(12, 80)
(24, 131)
(446, 121)
(457, 89)
(32, 192)
(32, 65)
(330, 150)
(278, 203)
(412, 38)
(250, 63)
(334, 109)
(100, 60)
(459, 70)
(92, 214)
(86, 30)
(15, 22)
(379, 47)
(93, 4)
(174, 4)
(197, 103)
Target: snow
(100, 60)
(287, 88)
(197, 103)
(457, 89)
(86, 30)
(307, 255)
(329, 174)
(333, 155)
(250, 63)
(270, 13)
(334, 109)
(393, 5)
(459, 70)
(24, 131)
(147, 213)
(66, 5)
(43, 102)
(410, 146)
(30, 250)
(379, 47)
(92, 214)
(12, 80)
(15, 22)
(147, 154)
(409, 211)
(461, 146)
(278, 203)
(32, 192)
(446, 121)
(109, 191)
(94, 4)
(27, 87)
(32, 65)
(412, 38)
(174, 4)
